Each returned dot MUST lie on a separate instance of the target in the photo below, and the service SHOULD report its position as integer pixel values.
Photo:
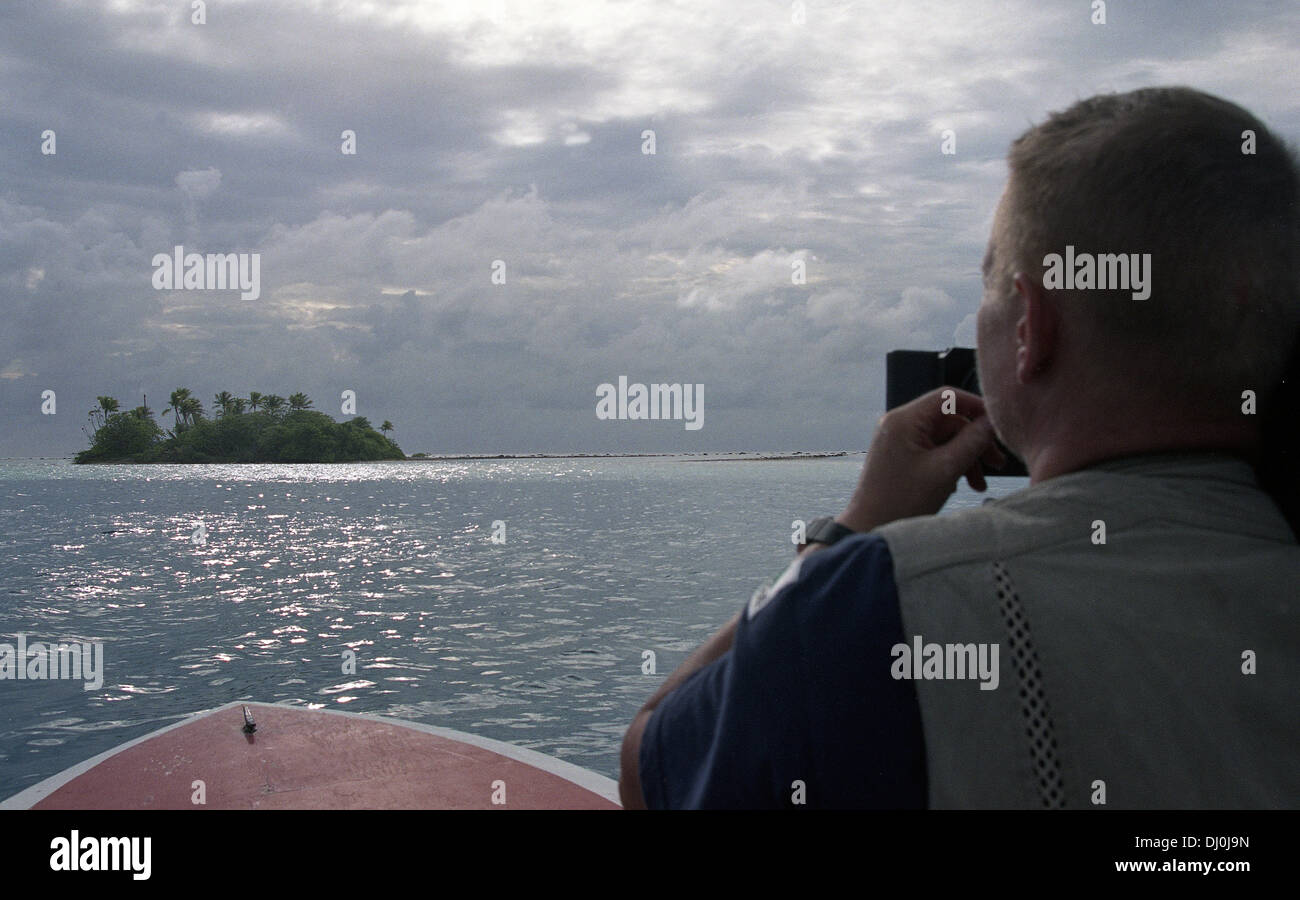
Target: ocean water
(538, 640)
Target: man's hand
(917, 456)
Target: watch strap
(825, 530)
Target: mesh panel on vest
(1033, 700)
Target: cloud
(964, 334)
(512, 131)
(196, 185)
(199, 184)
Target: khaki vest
(1121, 664)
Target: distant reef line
(720, 456)
(694, 456)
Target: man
(1125, 631)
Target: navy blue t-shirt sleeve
(804, 695)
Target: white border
(584, 778)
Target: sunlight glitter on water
(537, 641)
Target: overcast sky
(513, 131)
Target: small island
(261, 428)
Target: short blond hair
(1166, 171)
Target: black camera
(911, 373)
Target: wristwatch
(825, 530)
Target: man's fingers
(962, 453)
(939, 404)
(944, 428)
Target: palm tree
(299, 401)
(99, 416)
(143, 411)
(254, 400)
(273, 403)
(177, 407)
(192, 409)
(386, 427)
(222, 402)
(239, 404)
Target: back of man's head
(1212, 195)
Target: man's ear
(1036, 331)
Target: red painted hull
(301, 758)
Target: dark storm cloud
(513, 132)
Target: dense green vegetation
(261, 428)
